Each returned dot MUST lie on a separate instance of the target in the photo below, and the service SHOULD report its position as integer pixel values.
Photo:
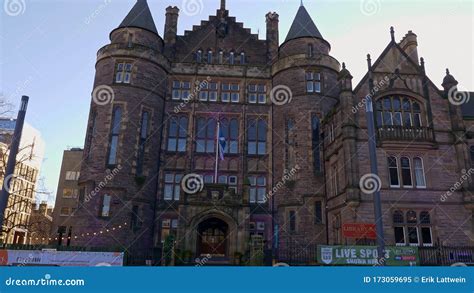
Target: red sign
(359, 230)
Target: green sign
(367, 255)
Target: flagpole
(217, 151)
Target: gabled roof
(303, 26)
(140, 17)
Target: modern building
(67, 197)
(295, 135)
(24, 182)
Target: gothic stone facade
(296, 142)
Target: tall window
(313, 82)
(289, 144)
(316, 144)
(398, 111)
(90, 134)
(177, 134)
(114, 135)
(398, 228)
(471, 151)
(318, 212)
(221, 57)
(136, 222)
(230, 130)
(419, 173)
(257, 137)
(123, 73)
(393, 172)
(310, 51)
(406, 172)
(209, 57)
(181, 90)
(258, 189)
(232, 58)
(334, 180)
(230, 92)
(141, 145)
(292, 221)
(199, 56)
(205, 135)
(105, 210)
(242, 58)
(257, 94)
(172, 186)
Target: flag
(222, 144)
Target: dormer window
(199, 56)
(232, 58)
(221, 57)
(242, 58)
(209, 57)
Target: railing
(405, 133)
(446, 255)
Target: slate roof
(303, 26)
(140, 17)
(467, 108)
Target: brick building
(67, 197)
(295, 142)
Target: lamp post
(10, 168)
(369, 112)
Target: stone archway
(212, 238)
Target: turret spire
(140, 17)
(303, 26)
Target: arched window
(398, 111)
(141, 145)
(114, 136)
(209, 57)
(257, 137)
(411, 217)
(199, 56)
(232, 58)
(205, 135)
(398, 217)
(419, 173)
(221, 57)
(315, 126)
(406, 172)
(393, 171)
(242, 58)
(177, 134)
(425, 217)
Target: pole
(217, 151)
(10, 169)
(374, 170)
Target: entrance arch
(212, 237)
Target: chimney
(171, 25)
(272, 35)
(409, 44)
(43, 208)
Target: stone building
(41, 220)
(67, 197)
(295, 142)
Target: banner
(367, 255)
(60, 258)
(359, 230)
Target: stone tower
(120, 164)
(304, 90)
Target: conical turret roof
(303, 26)
(140, 17)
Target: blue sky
(48, 50)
